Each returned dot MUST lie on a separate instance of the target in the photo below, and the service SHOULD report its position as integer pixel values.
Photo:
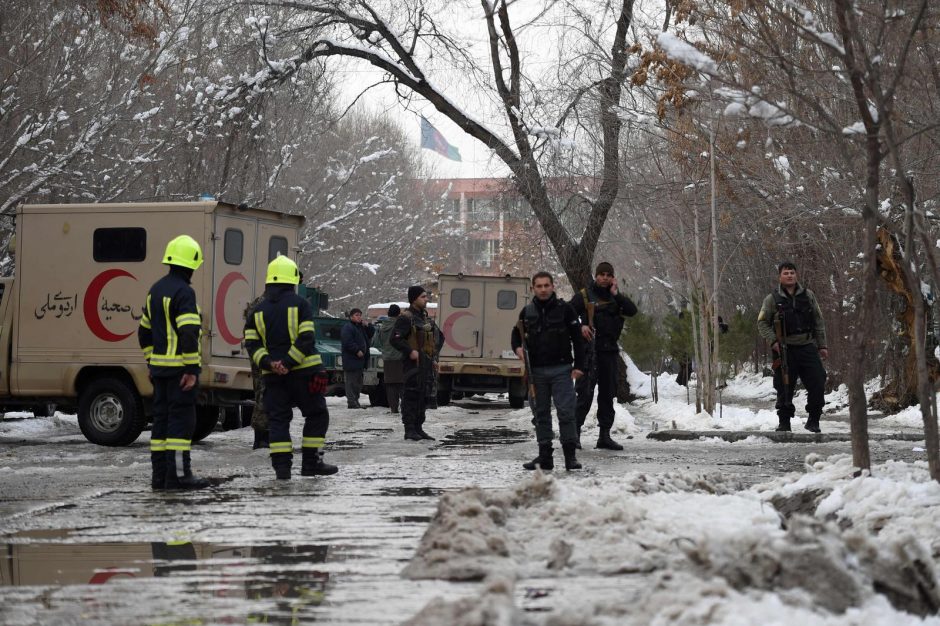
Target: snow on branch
(687, 54)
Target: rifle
(592, 344)
(530, 386)
(780, 331)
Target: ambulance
(69, 315)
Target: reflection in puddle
(473, 437)
(274, 584)
(411, 491)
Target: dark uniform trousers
(804, 364)
(417, 385)
(602, 372)
(174, 412)
(281, 394)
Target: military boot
(543, 461)
(812, 425)
(158, 463)
(571, 460)
(424, 435)
(411, 433)
(604, 442)
(261, 439)
(783, 425)
(281, 462)
(313, 465)
(174, 481)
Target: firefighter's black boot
(544, 460)
(261, 439)
(783, 425)
(188, 480)
(281, 462)
(812, 425)
(571, 461)
(313, 465)
(158, 463)
(174, 481)
(604, 442)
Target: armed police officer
(602, 310)
(169, 334)
(794, 310)
(280, 340)
(418, 340)
(553, 342)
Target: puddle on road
(276, 583)
(412, 492)
(344, 444)
(476, 437)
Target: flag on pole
(432, 139)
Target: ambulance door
(462, 302)
(273, 239)
(234, 282)
(504, 300)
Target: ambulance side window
(233, 247)
(276, 246)
(119, 245)
(505, 299)
(460, 298)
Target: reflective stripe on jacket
(171, 327)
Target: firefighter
(280, 340)
(169, 334)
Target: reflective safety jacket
(171, 326)
(281, 329)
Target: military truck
(69, 315)
(330, 346)
(476, 315)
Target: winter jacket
(610, 311)
(553, 331)
(354, 338)
(382, 339)
(281, 329)
(171, 326)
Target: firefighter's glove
(318, 383)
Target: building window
(482, 252)
(119, 245)
(460, 298)
(481, 210)
(506, 299)
(233, 246)
(276, 246)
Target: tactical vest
(547, 334)
(422, 335)
(608, 321)
(798, 315)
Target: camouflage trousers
(259, 417)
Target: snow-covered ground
(455, 532)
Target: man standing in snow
(418, 340)
(804, 337)
(553, 341)
(355, 344)
(392, 370)
(601, 327)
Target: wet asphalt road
(86, 542)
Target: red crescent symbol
(449, 330)
(90, 304)
(99, 578)
(220, 296)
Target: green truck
(329, 344)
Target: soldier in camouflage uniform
(259, 418)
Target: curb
(776, 437)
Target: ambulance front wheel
(110, 412)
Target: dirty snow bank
(823, 547)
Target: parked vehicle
(69, 315)
(476, 315)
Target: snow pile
(821, 548)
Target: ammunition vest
(798, 315)
(422, 334)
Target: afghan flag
(432, 139)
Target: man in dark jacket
(280, 340)
(553, 341)
(355, 344)
(804, 338)
(418, 340)
(602, 310)
(169, 334)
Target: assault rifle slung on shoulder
(530, 386)
(780, 330)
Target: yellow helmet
(184, 252)
(282, 271)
